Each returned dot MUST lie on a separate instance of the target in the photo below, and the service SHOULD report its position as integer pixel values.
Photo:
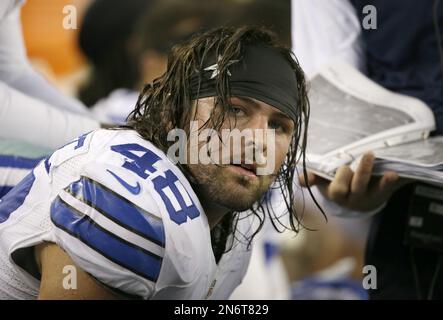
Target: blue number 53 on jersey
(177, 200)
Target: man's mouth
(245, 169)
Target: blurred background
(120, 45)
(52, 49)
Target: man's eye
(277, 126)
(236, 111)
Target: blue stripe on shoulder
(8, 161)
(114, 248)
(4, 190)
(119, 210)
(15, 198)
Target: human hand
(359, 190)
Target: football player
(113, 207)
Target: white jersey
(13, 169)
(7, 6)
(125, 214)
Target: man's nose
(259, 127)
(258, 122)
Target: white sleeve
(33, 121)
(326, 30)
(97, 223)
(6, 6)
(16, 71)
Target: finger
(339, 188)
(362, 175)
(387, 184)
(310, 179)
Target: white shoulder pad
(110, 225)
(123, 218)
(78, 146)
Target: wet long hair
(166, 104)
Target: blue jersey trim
(8, 161)
(15, 198)
(119, 210)
(112, 247)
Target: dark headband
(263, 74)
